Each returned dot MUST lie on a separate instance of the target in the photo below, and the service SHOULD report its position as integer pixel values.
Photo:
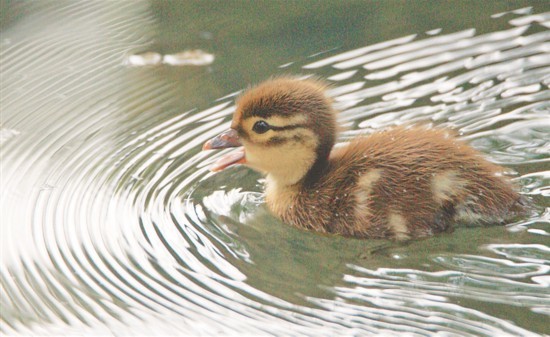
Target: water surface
(112, 223)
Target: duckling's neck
(299, 181)
(315, 173)
(281, 197)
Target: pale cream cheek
(279, 198)
(286, 163)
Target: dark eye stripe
(273, 140)
(276, 140)
(287, 127)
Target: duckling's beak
(226, 139)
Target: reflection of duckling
(398, 183)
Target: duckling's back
(404, 183)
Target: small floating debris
(145, 59)
(194, 57)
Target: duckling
(400, 183)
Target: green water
(252, 39)
(112, 223)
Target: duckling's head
(287, 127)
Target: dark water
(112, 223)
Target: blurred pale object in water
(194, 57)
(145, 59)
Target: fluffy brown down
(408, 162)
(400, 183)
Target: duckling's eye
(260, 127)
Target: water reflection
(112, 223)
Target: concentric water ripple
(112, 223)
